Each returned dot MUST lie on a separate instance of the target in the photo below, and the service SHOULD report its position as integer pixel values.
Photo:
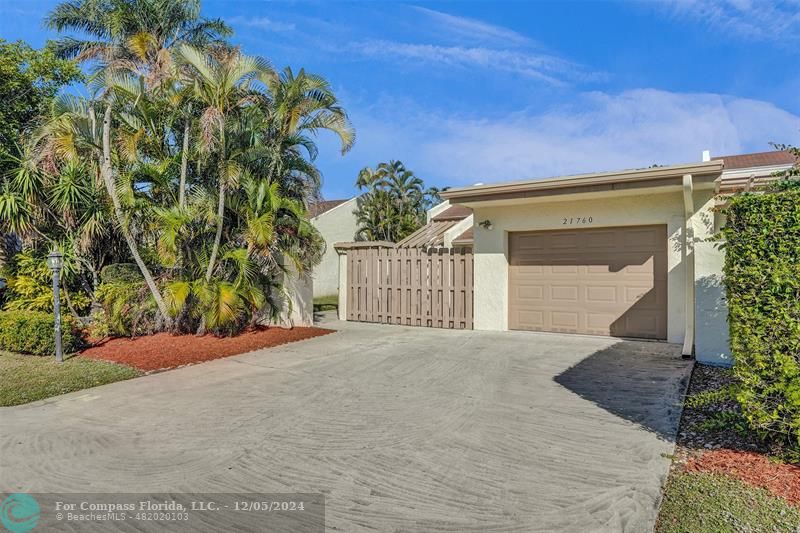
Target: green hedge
(32, 332)
(121, 272)
(762, 277)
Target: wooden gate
(410, 286)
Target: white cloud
(544, 67)
(262, 23)
(757, 20)
(473, 29)
(599, 132)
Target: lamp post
(56, 261)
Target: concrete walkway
(403, 429)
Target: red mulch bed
(163, 350)
(754, 469)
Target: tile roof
(759, 159)
(316, 209)
(454, 212)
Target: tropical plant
(394, 203)
(762, 279)
(223, 83)
(788, 179)
(30, 80)
(33, 332)
(192, 161)
(132, 35)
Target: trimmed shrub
(762, 277)
(32, 332)
(121, 273)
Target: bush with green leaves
(32, 332)
(30, 285)
(762, 277)
(120, 272)
(128, 309)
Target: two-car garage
(600, 281)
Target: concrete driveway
(402, 429)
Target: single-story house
(336, 222)
(612, 253)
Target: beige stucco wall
(712, 342)
(606, 209)
(294, 298)
(336, 225)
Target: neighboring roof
(465, 239)
(454, 212)
(429, 235)
(596, 182)
(749, 172)
(316, 209)
(759, 159)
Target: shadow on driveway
(642, 382)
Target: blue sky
(466, 92)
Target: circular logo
(19, 513)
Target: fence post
(344, 284)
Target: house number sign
(574, 221)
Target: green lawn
(711, 503)
(324, 303)
(26, 378)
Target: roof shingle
(759, 159)
(454, 212)
(316, 209)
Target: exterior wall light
(486, 224)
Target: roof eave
(589, 182)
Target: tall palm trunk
(108, 179)
(218, 237)
(184, 163)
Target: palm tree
(302, 106)
(394, 203)
(133, 35)
(161, 79)
(224, 83)
(129, 36)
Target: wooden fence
(410, 286)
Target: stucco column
(490, 271)
(295, 299)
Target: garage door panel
(531, 292)
(563, 240)
(601, 294)
(562, 269)
(597, 323)
(649, 323)
(645, 240)
(565, 320)
(609, 281)
(534, 318)
(531, 242)
(564, 293)
(601, 240)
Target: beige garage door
(600, 281)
